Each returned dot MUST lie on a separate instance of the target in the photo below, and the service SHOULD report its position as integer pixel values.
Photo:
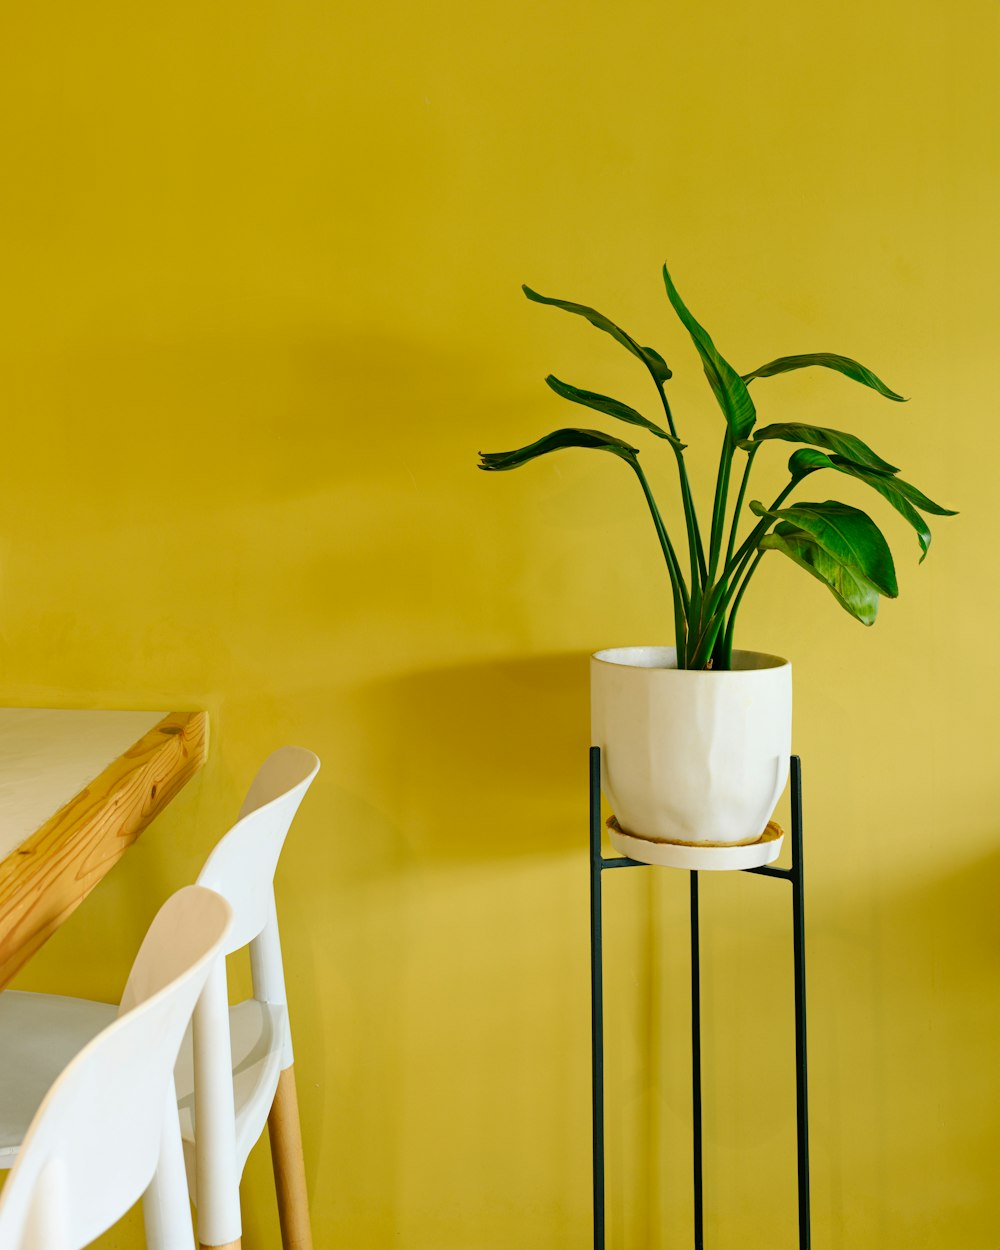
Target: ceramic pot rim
(637, 658)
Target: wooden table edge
(53, 871)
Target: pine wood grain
(289, 1165)
(54, 870)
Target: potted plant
(695, 738)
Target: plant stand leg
(799, 949)
(597, 995)
(699, 1228)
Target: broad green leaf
(827, 360)
(845, 445)
(894, 489)
(730, 389)
(852, 591)
(498, 460)
(847, 534)
(611, 407)
(653, 361)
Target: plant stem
(707, 643)
(732, 583)
(677, 586)
(739, 502)
(703, 625)
(759, 530)
(721, 500)
(666, 406)
(727, 646)
(709, 627)
(695, 547)
(670, 555)
(711, 623)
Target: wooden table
(76, 790)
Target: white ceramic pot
(686, 756)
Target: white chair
(107, 1131)
(234, 1073)
(238, 1075)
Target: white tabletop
(48, 756)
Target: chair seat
(39, 1035)
(256, 1034)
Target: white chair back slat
(217, 1168)
(267, 973)
(286, 769)
(242, 866)
(166, 1204)
(95, 1142)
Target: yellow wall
(260, 309)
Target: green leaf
(496, 461)
(827, 360)
(653, 361)
(611, 407)
(894, 489)
(847, 534)
(852, 591)
(730, 389)
(845, 445)
(658, 360)
(888, 488)
(805, 461)
(920, 500)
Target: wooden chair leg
(289, 1165)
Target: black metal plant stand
(598, 864)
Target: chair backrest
(241, 867)
(94, 1144)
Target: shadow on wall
(482, 761)
(447, 795)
